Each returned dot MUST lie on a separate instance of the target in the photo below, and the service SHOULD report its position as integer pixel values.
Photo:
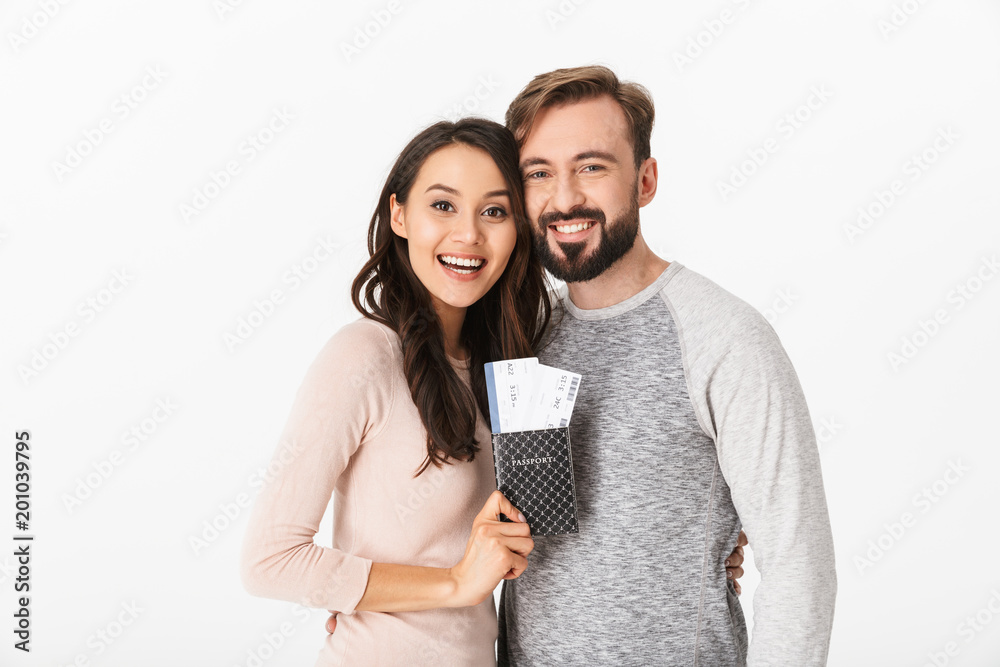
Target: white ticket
(552, 397)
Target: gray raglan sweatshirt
(689, 424)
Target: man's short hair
(580, 83)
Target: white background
(841, 302)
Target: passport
(534, 470)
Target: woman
(389, 419)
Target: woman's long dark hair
(506, 323)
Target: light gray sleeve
(749, 401)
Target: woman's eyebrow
(438, 186)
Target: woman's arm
(496, 550)
(345, 394)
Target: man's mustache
(594, 214)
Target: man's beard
(616, 240)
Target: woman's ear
(396, 216)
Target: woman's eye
(442, 205)
(495, 212)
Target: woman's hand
(496, 550)
(735, 560)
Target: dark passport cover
(534, 470)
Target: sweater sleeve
(346, 397)
(752, 405)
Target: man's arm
(749, 400)
(768, 455)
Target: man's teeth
(569, 229)
(461, 261)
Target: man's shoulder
(708, 315)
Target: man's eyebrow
(532, 161)
(600, 155)
(438, 186)
(586, 155)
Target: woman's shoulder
(363, 343)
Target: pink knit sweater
(355, 433)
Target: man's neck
(634, 272)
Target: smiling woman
(389, 419)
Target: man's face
(581, 187)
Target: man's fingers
(735, 558)
(736, 585)
(734, 572)
(742, 541)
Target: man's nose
(567, 196)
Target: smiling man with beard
(690, 425)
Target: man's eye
(535, 175)
(495, 212)
(593, 167)
(439, 204)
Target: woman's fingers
(498, 504)
(519, 565)
(519, 545)
(331, 624)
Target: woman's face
(458, 224)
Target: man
(689, 424)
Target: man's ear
(648, 176)
(396, 216)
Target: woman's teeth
(578, 227)
(462, 265)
